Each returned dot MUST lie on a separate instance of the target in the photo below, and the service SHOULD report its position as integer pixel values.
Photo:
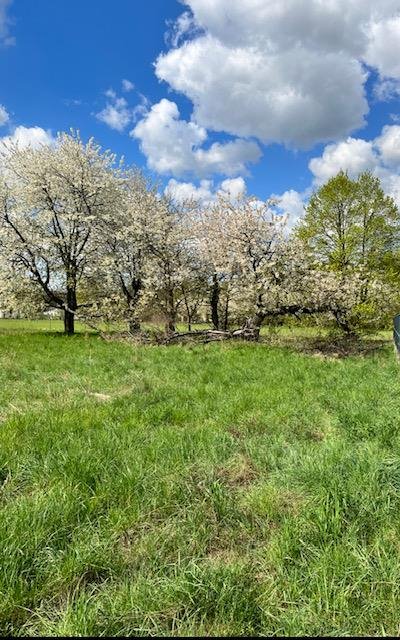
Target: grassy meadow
(220, 489)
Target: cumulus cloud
(288, 71)
(27, 137)
(116, 113)
(5, 38)
(388, 144)
(390, 181)
(383, 50)
(381, 156)
(233, 186)
(354, 155)
(184, 191)
(206, 192)
(174, 146)
(4, 117)
(291, 204)
(296, 98)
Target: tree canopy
(84, 234)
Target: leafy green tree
(352, 228)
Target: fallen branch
(212, 335)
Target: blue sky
(271, 85)
(74, 50)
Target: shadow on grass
(300, 339)
(329, 346)
(323, 346)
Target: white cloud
(233, 186)
(141, 109)
(206, 192)
(295, 97)
(116, 113)
(390, 182)
(388, 144)
(288, 71)
(173, 146)
(380, 155)
(27, 137)
(184, 191)
(353, 155)
(4, 117)
(5, 22)
(285, 22)
(291, 204)
(383, 51)
(184, 25)
(386, 89)
(127, 85)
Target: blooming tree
(241, 240)
(120, 275)
(81, 233)
(171, 253)
(52, 200)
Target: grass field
(226, 489)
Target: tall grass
(209, 490)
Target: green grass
(226, 489)
(47, 325)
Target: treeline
(84, 234)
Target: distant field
(225, 489)
(57, 326)
(53, 326)
(34, 326)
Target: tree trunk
(252, 328)
(134, 321)
(69, 312)
(170, 325)
(226, 313)
(189, 314)
(134, 325)
(343, 323)
(214, 302)
(69, 322)
(171, 312)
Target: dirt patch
(92, 576)
(238, 472)
(235, 432)
(317, 436)
(224, 556)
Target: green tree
(351, 227)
